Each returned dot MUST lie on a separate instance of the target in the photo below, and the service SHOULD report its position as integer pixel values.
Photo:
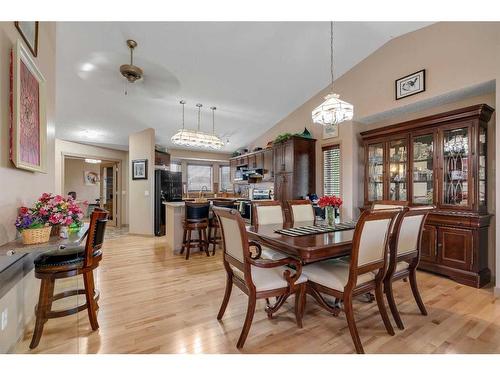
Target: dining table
(307, 248)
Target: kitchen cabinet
(438, 160)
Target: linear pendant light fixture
(333, 110)
(197, 138)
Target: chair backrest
(226, 204)
(234, 241)
(387, 204)
(95, 234)
(197, 211)
(407, 237)
(370, 244)
(301, 210)
(267, 212)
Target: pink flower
(58, 199)
(67, 221)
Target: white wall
(141, 192)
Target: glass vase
(330, 215)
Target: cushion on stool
(71, 255)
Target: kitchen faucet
(203, 189)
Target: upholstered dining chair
(404, 256)
(301, 210)
(388, 204)
(257, 278)
(365, 271)
(69, 262)
(265, 213)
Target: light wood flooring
(155, 302)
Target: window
(331, 170)
(198, 177)
(225, 178)
(175, 166)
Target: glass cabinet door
(398, 162)
(482, 174)
(456, 167)
(423, 169)
(375, 172)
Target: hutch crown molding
(438, 160)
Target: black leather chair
(196, 219)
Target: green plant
(283, 137)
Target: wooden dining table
(307, 248)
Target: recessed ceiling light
(93, 161)
(92, 134)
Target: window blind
(199, 176)
(331, 170)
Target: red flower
(330, 200)
(23, 210)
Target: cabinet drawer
(455, 247)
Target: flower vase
(330, 215)
(56, 230)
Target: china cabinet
(438, 160)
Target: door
(108, 192)
(268, 165)
(397, 167)
(288, 156)
(279, 165)
(423, 165)
(374, 171)
(428, 248)
(455, 247)
(456, 188)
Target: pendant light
(333, 110)
(197, 138)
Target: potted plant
(32, 227)
(331, 204)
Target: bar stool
(196, 219)
(213, 225)
(68, 262)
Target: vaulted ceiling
(255, 73)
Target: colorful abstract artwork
(28, 128)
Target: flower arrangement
(330, 201)
(50, 210)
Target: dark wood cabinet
(268, 165)
(438, 160)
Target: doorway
(94, 183)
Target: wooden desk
(309, 248)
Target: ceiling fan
(131, 72)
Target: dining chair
(346, 280)
(257, 278)
(404, 256)
(214, 237)
(266, 213)
(301, 210)
(68, 262)
(388, 204)
(195, 220)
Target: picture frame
(29, 32)
(91, 178)
(330, 131)
(140, 169)
(411, 84)
(28, 122)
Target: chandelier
(197, 138)
(333, 110)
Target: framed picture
(91, 178)
(29, 33)
(28, 123)
(330, 131)
(140, 169)
(410, 85)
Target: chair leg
(88, 280)
(299, 304)
(389, 294)
(43, 307)
(416, 293)
(379, 296)
(352, 324)
(203, 241)
(214, 240)
(227, 294)
(188, 244)
(248, 321)
(184, 236)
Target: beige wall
(456, 56)
(67, 148)
(73, 179)
(19, 187)
(141, 192)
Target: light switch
(146, 193)
(3, 324)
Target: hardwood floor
(155, 302)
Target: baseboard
(496, 291)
